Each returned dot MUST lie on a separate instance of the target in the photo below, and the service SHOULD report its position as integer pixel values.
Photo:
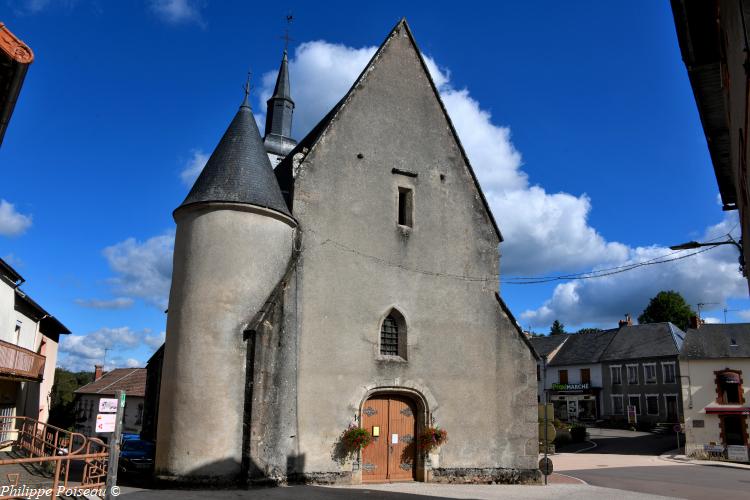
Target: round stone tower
(234, 241)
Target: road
(633, 464)
(681, 481)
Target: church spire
(278, 139)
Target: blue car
(136, 455)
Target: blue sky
(577, 116)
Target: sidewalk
(398, 491)
(679, 457)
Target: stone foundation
(486, 476)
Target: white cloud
(82, 352)
(550, 232)
(116, 303)
(143, 269)
(320, 74)
(179, 11)
(193, 167)
(155, 341)
(711, 276)
(12, 222)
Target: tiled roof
(644, 341)
(239, 170)
(717, 341)
(583, 348)
(130, 380)
(545, 345)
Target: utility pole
(114, 449)
(544, 401)
(726, 311)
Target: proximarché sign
(571, 387)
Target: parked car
(137, 455)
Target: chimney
(97, 372)
(628, 321)
(695, 323)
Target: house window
(633, 374)
(585, 375)
(538, 376)
(635, 400)
(616, 372)
(563, 374)
(652, 404)
(729, 387)
(649, 373)
(405, 207)
(669, 372)
(393, 335)
(617, 404)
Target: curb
(710, 463)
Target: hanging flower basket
(356, 438)
(431, 438)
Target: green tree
(667, 306)
(589, 330)
(62, 410)
(557, 328)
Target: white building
(714, 394)
(29, 338)
(106, 385)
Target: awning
(729, 378)
(728, 410)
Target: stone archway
(397, 415)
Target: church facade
(354, 285)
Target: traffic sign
(545, 465)
(105, 422)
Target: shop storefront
(575, 402)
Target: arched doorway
(392, 456)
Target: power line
(520, 280)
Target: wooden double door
(392, 454)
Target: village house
(29, 338)
(640, 369)
(596, 375)
(574, 377)
(106, 385)
(354, 286)
(714, 363)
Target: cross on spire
(247, 87)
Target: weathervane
(286, 38)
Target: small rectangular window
(405, 206)
(635, 401)
(616, 372)
(585, 375)
(563, 374)
(649, 372)
(633, 374)
(669, 373)
(617, 405)
(652, 404)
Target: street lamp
(694, 244)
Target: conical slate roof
(282, 89)
(239, 170)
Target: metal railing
(20, 362)
(49, 446)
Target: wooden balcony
(17, 362)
